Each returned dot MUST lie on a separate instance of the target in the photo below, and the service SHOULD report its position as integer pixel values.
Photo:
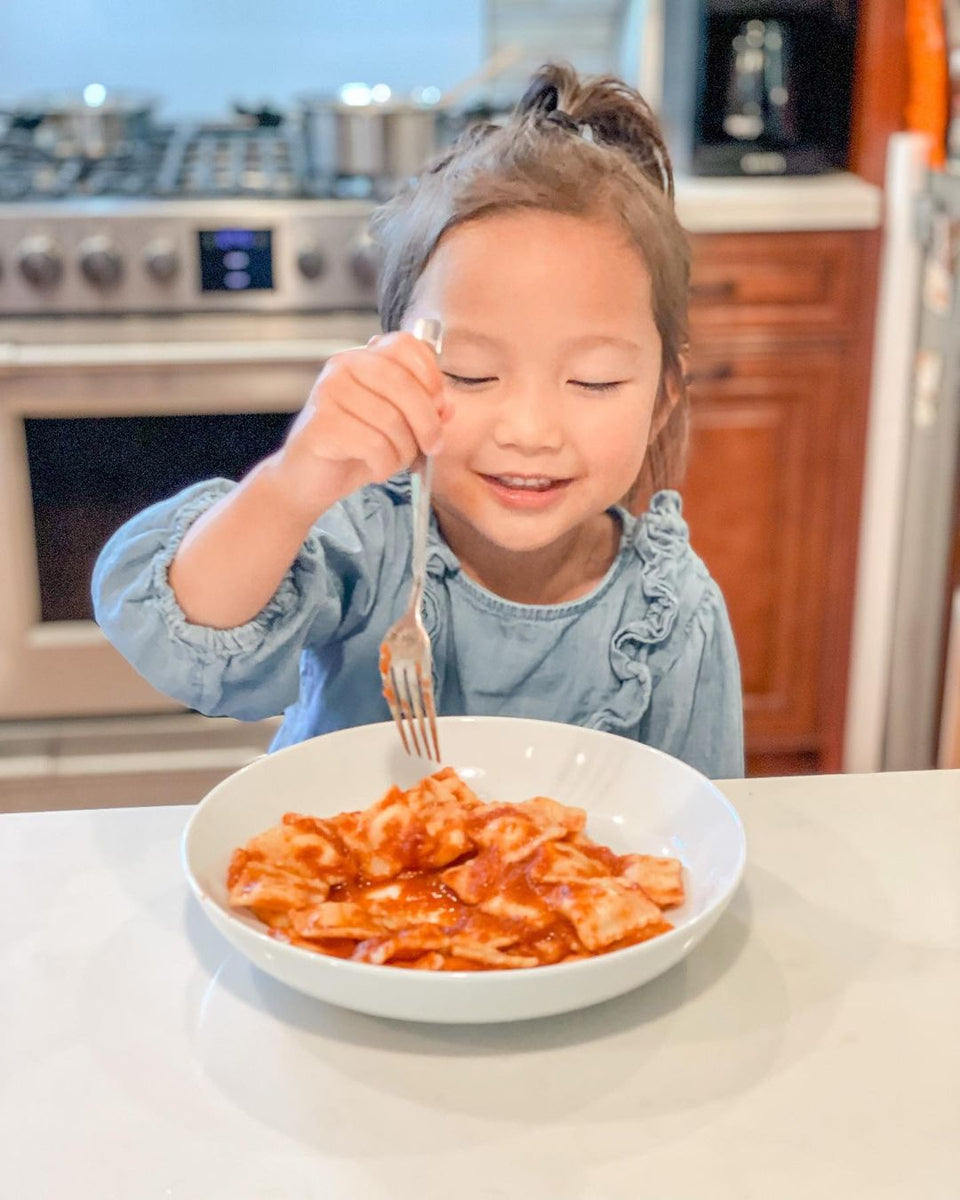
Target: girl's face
(552, 359)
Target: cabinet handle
(719, 289)
(723, 370)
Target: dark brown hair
(591, 148)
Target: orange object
(433, 879)
(928, 99)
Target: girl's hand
(373, 412)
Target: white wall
(201, 54)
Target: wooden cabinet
(780, 341)
(760, 283)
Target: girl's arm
(370, 414)
(212, 594)
(233, 558)
(252, 669)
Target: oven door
(99, 419)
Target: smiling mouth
(527, 483)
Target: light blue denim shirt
(648, 654)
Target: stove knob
(311, 262)
(40, 261)
(101, 262)
(365, 260)
(161, 260)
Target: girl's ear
(668, 396)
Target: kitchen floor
(113, 762)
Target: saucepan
(92, 123)
(371, 131)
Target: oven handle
(17, 357)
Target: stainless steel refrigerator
(903, 628)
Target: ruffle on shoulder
(398, 488)
(661, 541)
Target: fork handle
(421, 482)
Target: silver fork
(406, 661)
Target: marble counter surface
(808, 1047)
(782, 204)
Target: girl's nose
(528, 419)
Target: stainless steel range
(165, 306)
(203, 218)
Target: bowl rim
(492, 976)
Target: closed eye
(469, 380)
(604, 386)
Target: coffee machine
(758, 87)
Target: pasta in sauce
(435, 879)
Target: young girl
(550, 251)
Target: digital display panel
(236, 260)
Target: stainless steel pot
(92, 123)
(385, 140)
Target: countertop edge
(840, 201)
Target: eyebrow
(585, 342)
(589, 340)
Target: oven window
(89, 475)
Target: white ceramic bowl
(637, 799)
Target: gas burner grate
(205, 161)
(31, 172)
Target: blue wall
(201, 54)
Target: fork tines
(411, 704)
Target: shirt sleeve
(696, 710)
(250, 671)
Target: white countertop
(781, 204)
(809, 1047)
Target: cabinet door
(758, 497)
(762, 284)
